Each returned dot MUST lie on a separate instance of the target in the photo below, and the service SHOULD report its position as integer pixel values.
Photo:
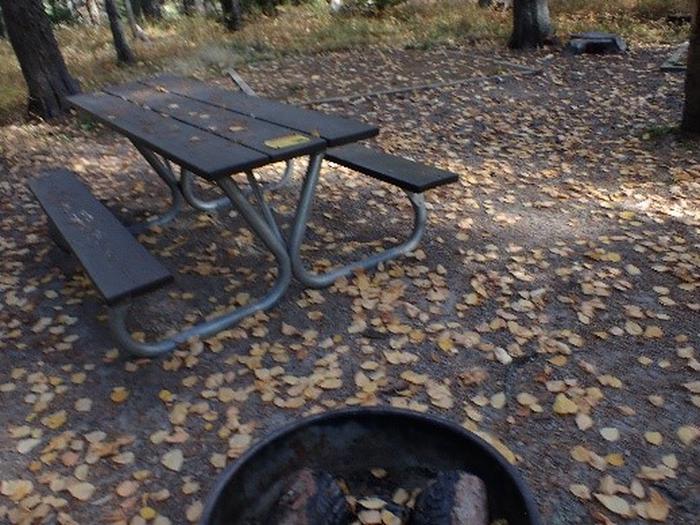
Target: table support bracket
(322, 280)
(166, 174)
(188, 191)
(119, 312)
(187, 188)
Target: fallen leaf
(615, 504)
(173, 459)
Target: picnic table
(214, 133)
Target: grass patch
(203, 46)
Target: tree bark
(136, 30)
(192, 7)
(152, 9)
(124, 53)
(232, 14)
(210, 8)
(137, 8)
(48, 80)
(531, 24)
(93, 11)
(691, 110)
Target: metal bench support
(322, 280)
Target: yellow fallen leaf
(173, 460)
(286, 141)
(580, 454)
(498, 445)
(372, 503)
(564, 406)
(688, 433)
(413, 377)
(633, 328)
(615, 459)
(119, 394)
(498, 400)
(82, 491)
(55, 420)
(194, 511)
(653, 332)
(580, 491)
(584, 421)
(657, 507)
(446, 344)
(615, 504)
(148, 513)
(389, 518)
(610, 433)
(16, 489)
(526, 399)
(127, 488)
(655, 438)
(670, 460)
(165, 395)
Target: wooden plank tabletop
(213, 132)
(335, 130)
(247, 131)
(200, 152)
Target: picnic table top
(214, 132)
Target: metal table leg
(187, 188)
(321, 280)
(118, 313)
(166, 174)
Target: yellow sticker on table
(287, 141)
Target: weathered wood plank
(247, 131)
(199, 151)
(335, 130)
(115, 262)
(404, 173)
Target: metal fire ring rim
(349, 413)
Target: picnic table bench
(214, 133)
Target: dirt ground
(553, 304)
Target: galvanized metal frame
(187, 188)
(259, 224)
(165, 172)
(296, 239)
(263, 222)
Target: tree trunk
(210, 8)
(152, 9)
(691, 111)
(531, 24)
(124, 53)
(136, 30)
(232, 14)
(192, 7)
(3, 31)
(93, 11)
(137, 8)
(48, 80)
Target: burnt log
(311, 498)
(453, 498)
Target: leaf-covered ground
(554, 304)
